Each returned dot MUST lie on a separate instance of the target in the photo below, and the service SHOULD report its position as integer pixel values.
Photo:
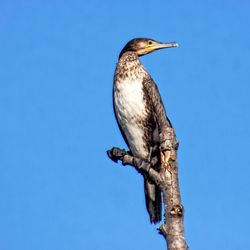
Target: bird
(135, 114)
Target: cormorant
(134, 111)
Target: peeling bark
(173, 227)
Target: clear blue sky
(58, 190)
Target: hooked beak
(157, 46)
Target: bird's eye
(150, 42)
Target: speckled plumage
(135, 115)
(133, 109)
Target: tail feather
(153, 201)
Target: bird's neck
(129, 66)
(128, 57)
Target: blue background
(58, 190)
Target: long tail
(153, 201)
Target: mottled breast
(131, 108)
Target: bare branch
(173, 227)
(140, 165)
(167, 181)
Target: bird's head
(143, 46)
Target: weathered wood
(167, 180)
